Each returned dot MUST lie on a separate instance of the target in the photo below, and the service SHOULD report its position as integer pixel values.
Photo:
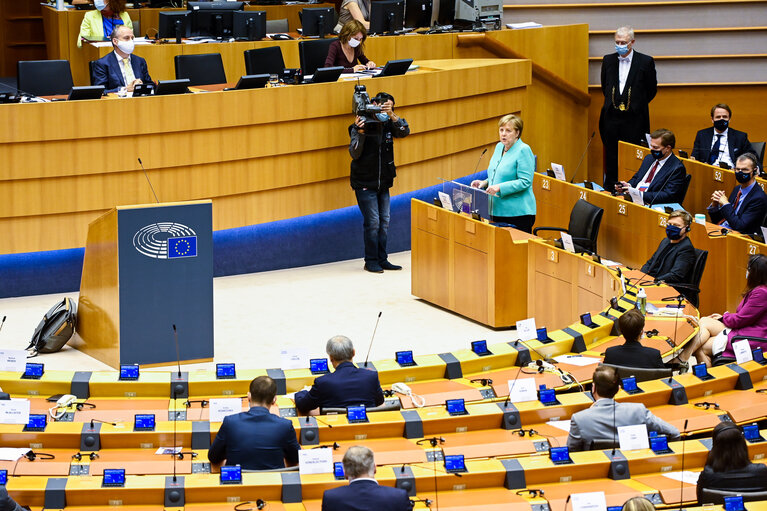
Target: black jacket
(668, 183)
(373, 155)
(633, 354)
(642, 81)
(751, 478)
(737, 144)
(671, 262)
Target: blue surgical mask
(673, 232)
(742, 177)
(622, 49)
(100, 4)
(382, 116)
(657, 154)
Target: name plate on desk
(221, 407)
(14, 361)
(522, 389)
(15, 411)
(742, 351)
(567, 242)
(526, 329)
(633, 437)
(315, 461)
(591, 501)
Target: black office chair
(264, 61)
(601, 445)
(758, 148)
(687, 179)
(712, 496)
(205, 69)
(313, 54)
(697, 273)
(386, 407)
(721, 360)
(91, 66)
(44, 77)
(641, 374)
(585, 219)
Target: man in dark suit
(601, 421)
(346, 386)
(720, 144)
(629, 83)
(632, 353)
(121, 68)
(7, 503)
(661, 177)
(674, 259)
(363, 493)
(745, 209)
(256, 439)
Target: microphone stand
(582, 156)
(681, 479)
(434, 442)
(152, 188)
(372, 337)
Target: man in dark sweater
(674, 259)
(373, 173)
(632, 353)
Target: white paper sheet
(577, 360)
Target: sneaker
(386, 265)
(373, 268)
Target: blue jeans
(374, 206)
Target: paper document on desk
(591, 501)
(577, 360)
(525, 24)
(685, 477)
(636, 196)
(12, 453)
(563, 425)
(611, 263)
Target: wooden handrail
(539, 72)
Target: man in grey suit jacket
(7, 503)
(600, 422)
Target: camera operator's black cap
(383, 97)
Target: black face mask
(721, 124)
(657, 154)
(742, 177)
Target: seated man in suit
(363, 492)
(632, 353)
(120, 68)
(720, 144)
(345, 386)
(600, 422)
(256, 439)
(661, 177)
(745, 209)
(674, 259)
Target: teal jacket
(514, 173)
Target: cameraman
(373, 173)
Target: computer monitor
(165, 87)
(418, 13)
(214, 19)
(317, 21)
(86, 92)
(387, 16)
(249, 25)
(174, 24)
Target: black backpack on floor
(56, 328)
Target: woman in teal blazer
(510, 177)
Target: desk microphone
(178, 356)
(681, 479)
(150, 185)
(330, 426)
(372, 338)
(583, 156)
(479, 160)
(2, 323)
(103, 422)
(335, 446)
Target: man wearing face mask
(121, 68)
(660, 179)
(372, 174)
(744, 210)
(629, 83)
(98, 24)
(674, 259)
(721, 144)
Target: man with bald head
(629, 83)
(346, 386)
(121, 68)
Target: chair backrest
(386, 407)
(759, 150)
(599, 445)
(284, 469)
(278, 26)
(205, 69)
(687, 179)
(697, 273)
(44, 77)
(585, 219)
(712, 496)
(641, 374)
(313, 54)
(91, 65)
(264, 61)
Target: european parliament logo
(166, 240)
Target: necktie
(715, 150)
(129, 76)
(652, 172)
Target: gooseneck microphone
(330, 426)
(103, 422)
(178, 356)
(479, 160)
(662, 187)
(148, 181)
(372, 338)
(583, 156)
(681, 479)
(2, 323)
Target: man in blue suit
(256, 439)
(346, 386)
(744, 210)
(661, 177)
(363, 493)
(121, 68)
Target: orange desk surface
(59, 466)
(616, 492)
(139, 462)
(669, 489)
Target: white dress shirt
(624, 65)
(724, 150)
(644, 184)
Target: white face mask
(354, 42)
(100, 4)
(126, 46)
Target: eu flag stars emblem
(182, 247)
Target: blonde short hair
(515, 122)
(638, 504)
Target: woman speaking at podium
(510, 177)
